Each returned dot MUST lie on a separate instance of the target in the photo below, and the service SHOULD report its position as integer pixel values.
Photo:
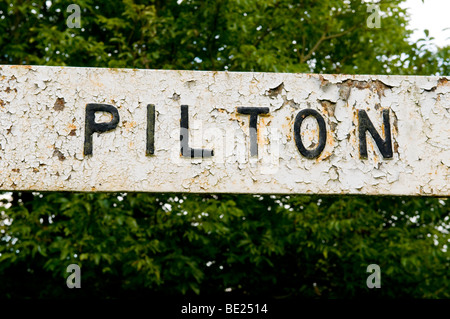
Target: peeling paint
(42, 123)
(59, 104)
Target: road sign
(94, 129)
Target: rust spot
(35, 170)
(16, 170)
(99, 84)
(344, 92)
(235, 117)
(8, 131)
(380, 87)
(328, 107)
(93, 189)
(58, 153)
(332, 126)
(276, 90)
(21, 67)
(264, 122)
(323, 81)
(325, 155)
(129, 125)
(59, 104)
(394, 124)
(12, 78)
(8, 89)
(288, 126)
(190, 83)
(375, 86)
(72, 128)
(443, 81)
(2, 104)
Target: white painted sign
(88, 129)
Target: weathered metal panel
(43, 127)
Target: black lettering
(150, 147)
(92, 127)
(298, 137)
(385, 146)
(253, 112)
(186, 151)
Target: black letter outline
(253, 125)
(314, 153)
(150, 145)
(91, 126)
(186, 150)
(364, 124)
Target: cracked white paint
(42, 118)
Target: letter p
(91, 126)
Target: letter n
(365, 125)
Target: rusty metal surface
(42, 128)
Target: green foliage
(138, 244)
(281, 246)
(252, 35)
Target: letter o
(314, 153)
